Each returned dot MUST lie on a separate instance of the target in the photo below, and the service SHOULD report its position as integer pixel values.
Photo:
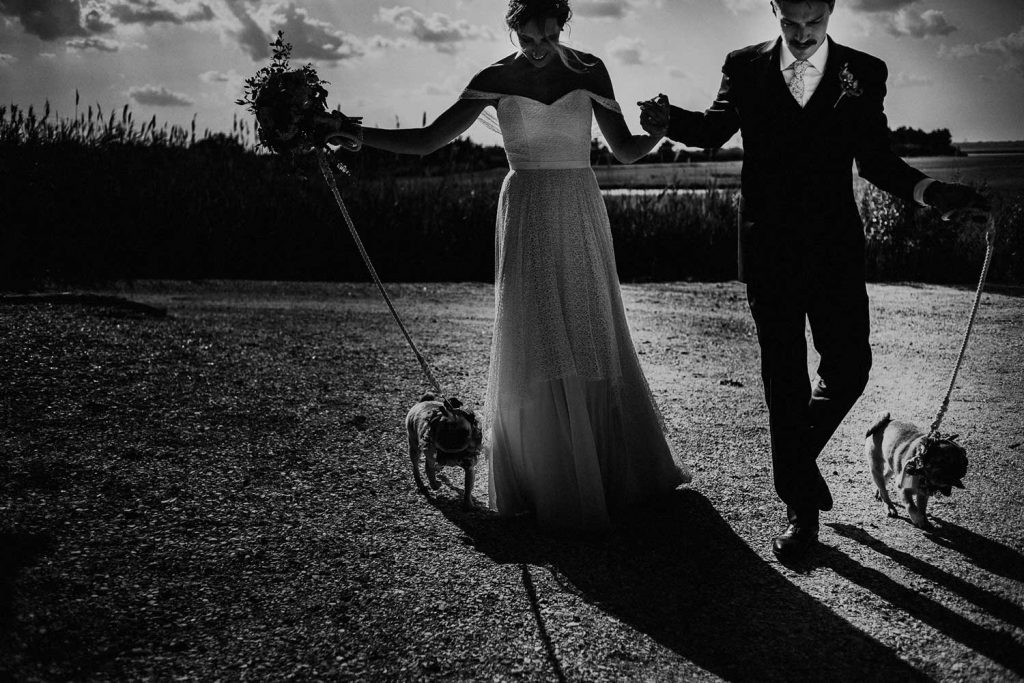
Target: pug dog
(444, 436)
(921, 464)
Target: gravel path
(223, 493)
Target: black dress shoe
(796, 540)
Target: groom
(808, 108)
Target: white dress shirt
(812, 77)
(815, 68)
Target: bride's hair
(522, 12)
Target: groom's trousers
(830, 295)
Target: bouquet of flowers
(292, 119)
(291, 107)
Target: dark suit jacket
(797, 179)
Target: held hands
(339, 130)
(654, 115)
(950, 198)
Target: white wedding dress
(572, 431)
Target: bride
(573, 435)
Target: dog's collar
(914, 477)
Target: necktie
(796, 84)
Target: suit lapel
(827, 92)
(770, 77)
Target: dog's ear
(454, 402)
(953, 438)
(959, 484)
(433, 418)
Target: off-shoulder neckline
(541, 102)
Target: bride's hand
(339, 130)
(654, 115)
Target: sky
(955, 64)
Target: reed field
(99, 197)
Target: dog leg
(882, 495)
(430, 460)
(873, 451)
(922, 506)
(916, 516)
(467, 498)
(414, 456)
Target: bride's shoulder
(491, 78)
(594, 74)
(582, 56)
(587, 62)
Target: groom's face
(803, 23)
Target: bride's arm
(449, 125)
(626, 147)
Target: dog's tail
(879, 425)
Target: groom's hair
(831, 3)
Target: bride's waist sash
(546, 165)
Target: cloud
(612, 9)
(602, 9)
(312, 38)
(158, 97)
(436, 89)
(628, 51)
(909, 22)
(93, 43)
(6, 59)
(56, 19)
(47, 19)
(898, 18)
(741, 6)
(905, 80)
(676, 72)
(95, 22)
(877, 5)
(217, 77)
(251, 37)
(449, 86)
(149, 12)
(1009, 47)
(438, 30)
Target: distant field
(992, 147)
(1002, 172)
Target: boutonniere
(849, 84)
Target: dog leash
(325, 169)
(990, 234)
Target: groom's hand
(654, 115)
(951, 197)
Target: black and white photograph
(511, 340)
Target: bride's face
(539, 41)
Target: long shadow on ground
(681, 575)
(996, 645)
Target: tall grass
(675, 235)
(906, 243)
(91, 128)
(99, 197)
